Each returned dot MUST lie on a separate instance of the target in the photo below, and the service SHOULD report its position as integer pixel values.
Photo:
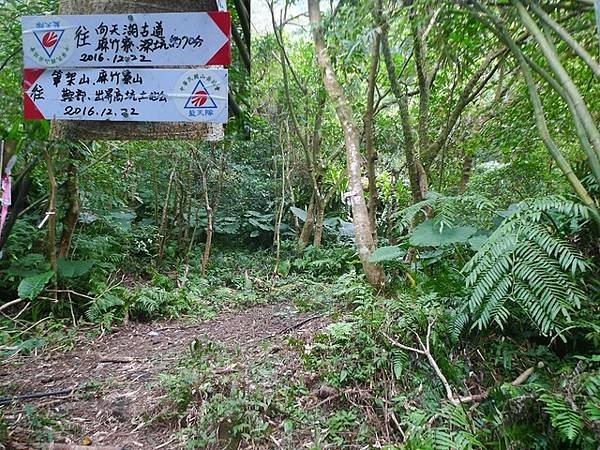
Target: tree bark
(88, 130)
(362, 228)
(73, 205)
(416, 173)
(163, 223)
(319, 222)
(309, 223)
(467, 167)
(51, 236)
(209, 225)
(370, 135)
(280, 211)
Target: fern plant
(563, 417)
(527, 262)
(448, 210)
(103, 309)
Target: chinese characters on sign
(109, 67)
(141, 95)
(127, 40)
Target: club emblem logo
(49, 43)
(199, 98)
(50, 39)
(199, 94)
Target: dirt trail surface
(116, 376)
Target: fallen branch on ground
(80, 447)
(8, 400)
(426, 351)
(286, 330)
(9, 304)
(123, 360)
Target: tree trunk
(563, 77)
(466, 172)
(416, 173)
(73, 205)
(362, 228)
(564, 34)
(88, 130)
(280, 211)
(51, 236)
(163, 224)
(209, 225)
(320, 218)
(540, 120)
(370, 136)
(309, 223)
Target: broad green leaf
(30, 287)
(299, 213)
(69, 268)
(331, 222)
(262, 226)
(390, 253)
(428, 234)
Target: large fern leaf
(526, 262)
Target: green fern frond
(567, 421)
(101, 306)
(400, 362)
(449, 210)
(460, 321)
(526, 262)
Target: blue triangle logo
(49, 40)
(200, 98)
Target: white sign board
(127, 40)
(141, 95)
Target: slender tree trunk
(319, 219)
(309, 223)
(540, 119)
(593, 160)
(416, 173)
(279, 218)
(155, 187)
(466, 172)
(362, 228)
(209, 226)
(73, 205)
(51, 236)
(370, 136)
(563, 77)
(163, 224)
(564, 34)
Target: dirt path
(117, 376)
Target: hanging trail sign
(140, 95)
(127, 40)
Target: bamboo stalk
(540, 119)
(564, 34)
(563, 77)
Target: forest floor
(118, 398)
